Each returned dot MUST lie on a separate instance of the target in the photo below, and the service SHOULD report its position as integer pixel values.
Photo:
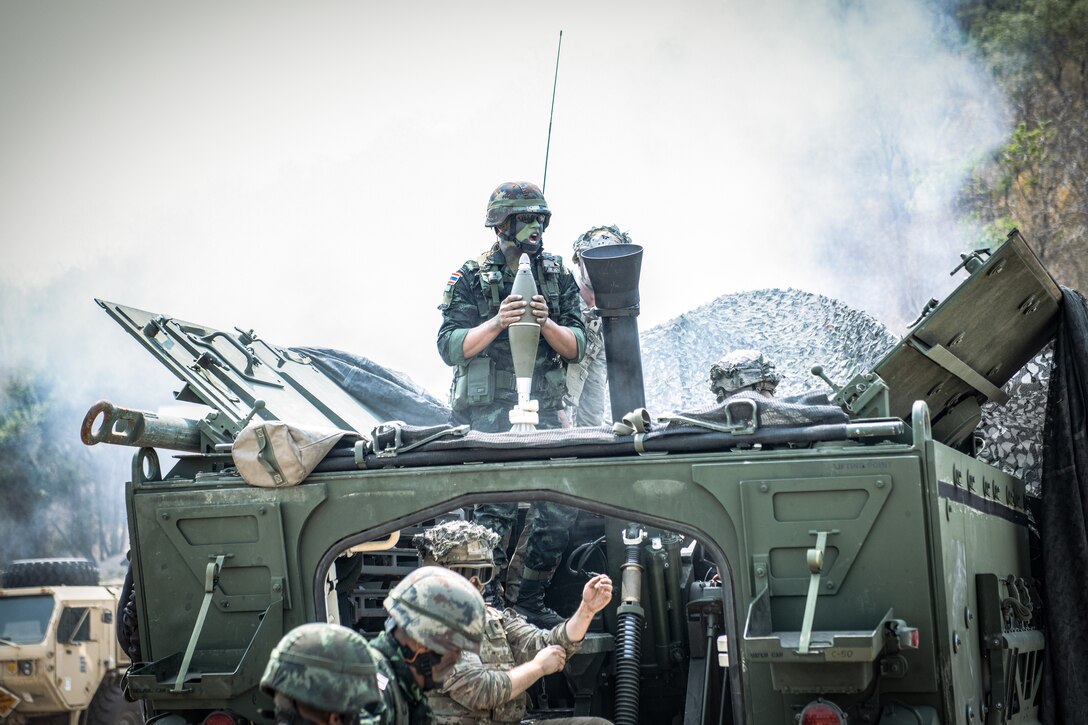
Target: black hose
(576, 562)
(629, 648)
(628, 668)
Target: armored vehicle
(830, 559)
(59, 659)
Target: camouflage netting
(799, 329)
(795, 329)
(1012, 434)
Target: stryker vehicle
(59, 659)
(813, 561)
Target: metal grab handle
(210, 576)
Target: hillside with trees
(1038, 181)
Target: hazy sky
(315, 170)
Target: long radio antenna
(547, 150)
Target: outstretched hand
(597, 593)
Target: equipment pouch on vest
(481, 381)
(474, 384)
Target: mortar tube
(678, 639)
(655, 579)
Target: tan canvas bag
(272, 454)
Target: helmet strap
(422, 661)
(506, 230)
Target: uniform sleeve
(525, 640)
(459, 315)
(570, 312)
(474, 685)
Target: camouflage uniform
(473, 295)
(406, 698)
(477, 690)
(464, 306)
(587, 381)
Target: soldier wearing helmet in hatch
(743, 370)
(477, 308)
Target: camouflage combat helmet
(325, 666)
(516, 197)
(462, 546)
(600, 237)
(439, 609)
(742, 370)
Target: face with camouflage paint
(528, 232)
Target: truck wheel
(109, 707)
(128, 630)
(49, 572)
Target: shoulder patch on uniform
(453, 278)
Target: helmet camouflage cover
(516, 197)
(742, 370)
(457, 543)
(600, 237)
(439, 609)
(325, 666)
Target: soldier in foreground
(490, 687)
(324, 674)
(743, 370)
(434, 616)
(586, 380)
(477, 309)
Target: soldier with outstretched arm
(489, 687)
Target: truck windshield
(24, 620)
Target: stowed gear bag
(272, 454)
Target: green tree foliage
(56, 497)
(1038, 52)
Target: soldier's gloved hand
(539, 308)
(597, 593)
(551, 659)
(510, 311)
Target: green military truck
(60, 663)
(779, 561)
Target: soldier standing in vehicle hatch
(741, 371)
(477, 308)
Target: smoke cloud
(316, 171)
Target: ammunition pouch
(476, 382)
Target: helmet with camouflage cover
(742, 370)
(439, 609)
(456, 543)
(516, 197)
(599, 237)
(325, 666)
(462, 546)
